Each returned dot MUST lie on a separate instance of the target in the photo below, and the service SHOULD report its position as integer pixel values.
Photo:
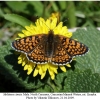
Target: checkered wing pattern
(60, 55)
(73, 47)
(27, 44)
(33, 47)
(66, 49)
(38, 55)
(43, 48)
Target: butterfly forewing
(73, 47)
(27, 44)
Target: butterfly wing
(60, 56)
(65, 49)
(27, 44)
(38, 55)
(33, 47)
(73, 47)
(36, 50)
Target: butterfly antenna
(65, 20)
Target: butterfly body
(44, 48)
(49, 44)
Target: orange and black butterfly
(44, 48)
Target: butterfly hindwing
(38, 55)
(60, 56)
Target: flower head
(42, 27)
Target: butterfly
(44, 48)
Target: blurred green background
(77, 14)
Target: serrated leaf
(15, 72)
(45, 88)
(17, 19)
(89, 37)
(82, 81)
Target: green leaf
(91, 60)
(14, 72)
(1, 13)
(44, 88)
(71, 14)
(82, 81)
(26, 7)
(38, 7)
(17, 6)
(17, 19)
(54, 6)
(62, 5)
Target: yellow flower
(42, 26)
(55, 15)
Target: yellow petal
(53, 23)
(68, 65)
(21, 35)
(40, 22)
(48, 23)
(27, 33)
(23, 63)
(44, 67)
(19, 61)
(63, 68)
(40, 71)
(69, 34)
(50, 72)
(29, 29)
(43, 75)
(36, 71)
(20, 58)
(26, 67)
(54, 68)
(53, 76)
(29, 71)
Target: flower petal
(36, 71)
(53, 76)
(68, 65)
(43, 75)
(26, 67)
(21, 35)
(63, 68)
(53, 23)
